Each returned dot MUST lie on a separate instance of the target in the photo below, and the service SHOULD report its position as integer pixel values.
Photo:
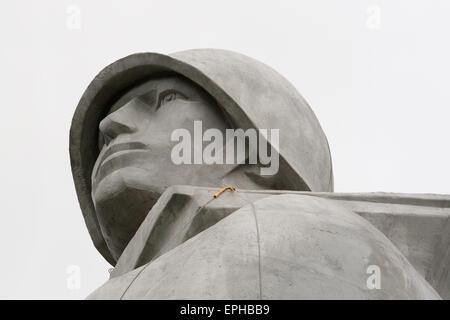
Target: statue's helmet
(252, 94)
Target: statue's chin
(125, 178)
(122, 200)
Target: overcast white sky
(376, 73)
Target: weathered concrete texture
(251, 95)
(289, 246)
(262, 241)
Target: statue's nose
(129, 117)
(121, 121)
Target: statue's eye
(168, 96)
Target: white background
(376, 73)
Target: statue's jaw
(121, 205)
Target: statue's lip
(118, 148)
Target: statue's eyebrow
(149, 98)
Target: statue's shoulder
(281, 246)
(184, 211)
(278, 245)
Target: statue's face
(135, 137)
(134, 166)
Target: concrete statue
(176, 222)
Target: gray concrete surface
(251, 94)
(285, 246)
(287, 236)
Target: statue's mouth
(116, 150)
